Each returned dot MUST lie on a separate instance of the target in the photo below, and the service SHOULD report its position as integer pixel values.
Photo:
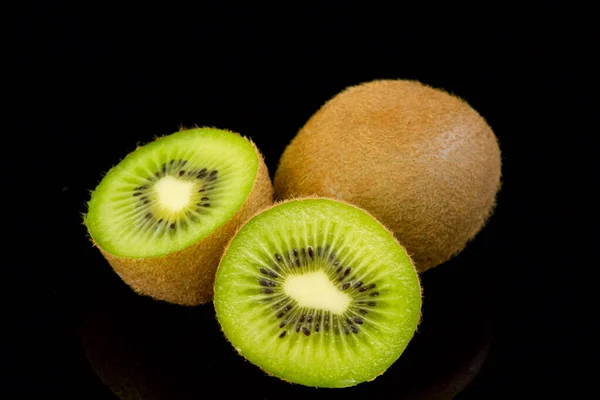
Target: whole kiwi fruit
(419, 159)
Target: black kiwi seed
(278, 257)
(266, 282)
(373, 294)
(204, 198)
(183, 162)
(181, 172)
(353, 329)
(137, 194)
(368, 287)
(172, 226)
(282, 334)
(281, 314)
(268, 291)
(347, 271)
(317, 327)
(363, 312)
(301, 320)
(164, 168)
(337, 271)
(160, 221)
(371, 303)
(309, 319)
(345, 285)
(148, 215)
(282, 324)
(213, 173)
(288, 307)
(201, 190)
(357, 284)
(358, 320)
(310, 251)
(172, 162)
(295, 252)
(298, 328)
(306, 331)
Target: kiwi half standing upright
(164, 214)
(421, 160)
(317, 292)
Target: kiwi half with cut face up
(317, 292)
(164, 214)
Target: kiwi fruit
(420, 160)
(317, 292)
(163, 215)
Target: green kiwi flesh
(170, 193)
(317, 292)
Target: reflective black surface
(141, 348)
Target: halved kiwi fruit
(317, 292)
(421, 160)
(164, 214)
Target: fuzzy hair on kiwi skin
(421, 160)
(315, 197)
(186, 276)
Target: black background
(86, 83)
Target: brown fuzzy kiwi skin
(186, 277)
(421, 160)
(315, 197)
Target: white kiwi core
(174, 194)
(315, 290)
